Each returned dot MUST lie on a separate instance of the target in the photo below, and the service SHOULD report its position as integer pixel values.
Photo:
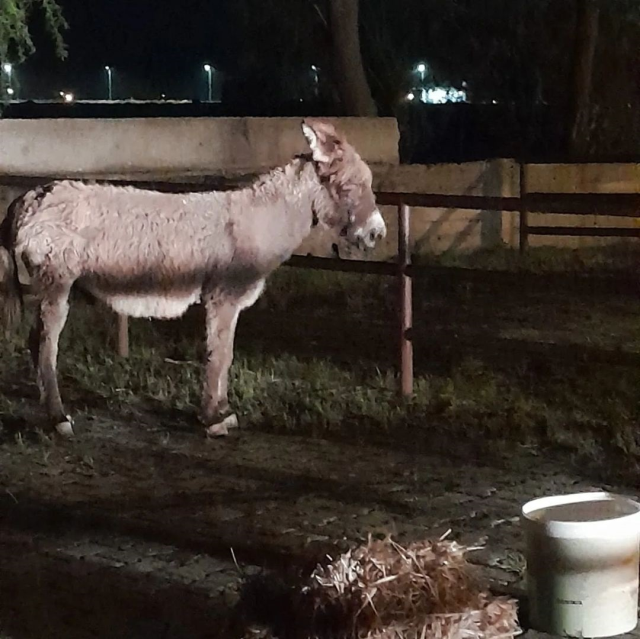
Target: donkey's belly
(161, 305)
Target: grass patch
(577, 403)
(617, 256)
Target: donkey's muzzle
(374, 230)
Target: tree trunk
(587, 27)
(351, 79)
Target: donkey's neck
(295, 181)
(275, 215)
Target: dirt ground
(141, 528)
(135, 529)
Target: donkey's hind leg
(43, 341)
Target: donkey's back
(145, 253)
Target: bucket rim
(623, 525)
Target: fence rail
(611, 204)
(624, 205)
(621, 205)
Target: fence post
(405, 309)
(123, 335)
(524, 212)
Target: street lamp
(208, 68)
(109, 82)
(421, 68)
(7, 67)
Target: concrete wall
(439, 230)
(435, 230)
(582, 178)
(194, 148)
(183, 146)
(173, 149)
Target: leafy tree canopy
(16, 42)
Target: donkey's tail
(11, 298)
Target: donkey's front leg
(221, 326)
(54, 308)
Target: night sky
(154, 47)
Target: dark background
(515, 54)
(154, 47)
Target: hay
(424, 591)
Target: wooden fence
(619, 205)
(609, 204)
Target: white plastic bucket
(582, 564)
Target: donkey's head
(347, 202)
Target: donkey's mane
(291, 169)
(275, 182)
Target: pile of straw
(424, 591)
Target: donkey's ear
(322, 140)
(317, 148)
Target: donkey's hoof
(222, 428)
(65, 429)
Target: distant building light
(442, 95)
(437, 95)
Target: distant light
(207, 67)
(421, 68)
(442, 95)
(68, 97)
(107, 68)
(411, 96)
(7, 67)
(10, 91)
(314, 67)
(436, 96)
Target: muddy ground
(140, 528)
(129, 532)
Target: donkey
(150, 254)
